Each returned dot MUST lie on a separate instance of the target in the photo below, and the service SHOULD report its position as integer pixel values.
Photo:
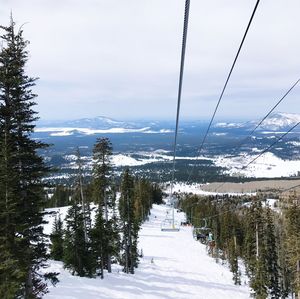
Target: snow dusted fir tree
(22, 243)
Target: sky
(121, 59)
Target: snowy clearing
(181, 269)
(268, 166)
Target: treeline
(89, 245)
(247, 229)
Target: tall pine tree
(23, 250)
(129, 224)
(103, 192)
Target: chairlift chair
(201, 233)
(169, 224)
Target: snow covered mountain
(276, 121)
(99, 122)
(281, 120)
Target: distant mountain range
(101, 124)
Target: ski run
(174, 266)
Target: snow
(274, 122)
(67, 131)
(268, 165)
(196, 188)
(180, 269)
(148, 157)
(228, 125)
(295, 143)
(280, 120)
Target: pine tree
(77, 255)
(56, 238)
(102, 181)
(21, 173)
(129, 225)
(255, 251)
(60, 197)
(271, 257)
(292, 243)
(99, 243)
(84, 204)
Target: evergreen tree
(23, 250)
(99, 242)
(129, 224)
(256, 251)
(56, 238)
(82, 199)
(103, 194)
(60, 197)
(271, 257)
(77, 255)
(292, 243)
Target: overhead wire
(263, 152)
(239, 146)
(183, 49)
(226, 83)
(266, 116)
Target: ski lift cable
(273, 108)
(264, 151)
(270, 146)
(171, 221)
(225, 85)
(184, 38)
(239, 146)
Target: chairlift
(201, 233)
(169, 224)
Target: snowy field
(268, 165)
(174, 266)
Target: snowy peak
(276, 121)
(281, 120)
(98, 122)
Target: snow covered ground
(268, 166)
(67, 131)
(174, 266)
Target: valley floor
(174, 266)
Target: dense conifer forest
(247, 231)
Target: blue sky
(121, 58)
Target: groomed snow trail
(174, 266)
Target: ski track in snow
(181, 269)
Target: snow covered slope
(181, 269)
(266, 166)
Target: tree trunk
(108, 241)
(29, 285)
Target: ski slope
(174, 266)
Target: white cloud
(121, 58)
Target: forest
(248, 232)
